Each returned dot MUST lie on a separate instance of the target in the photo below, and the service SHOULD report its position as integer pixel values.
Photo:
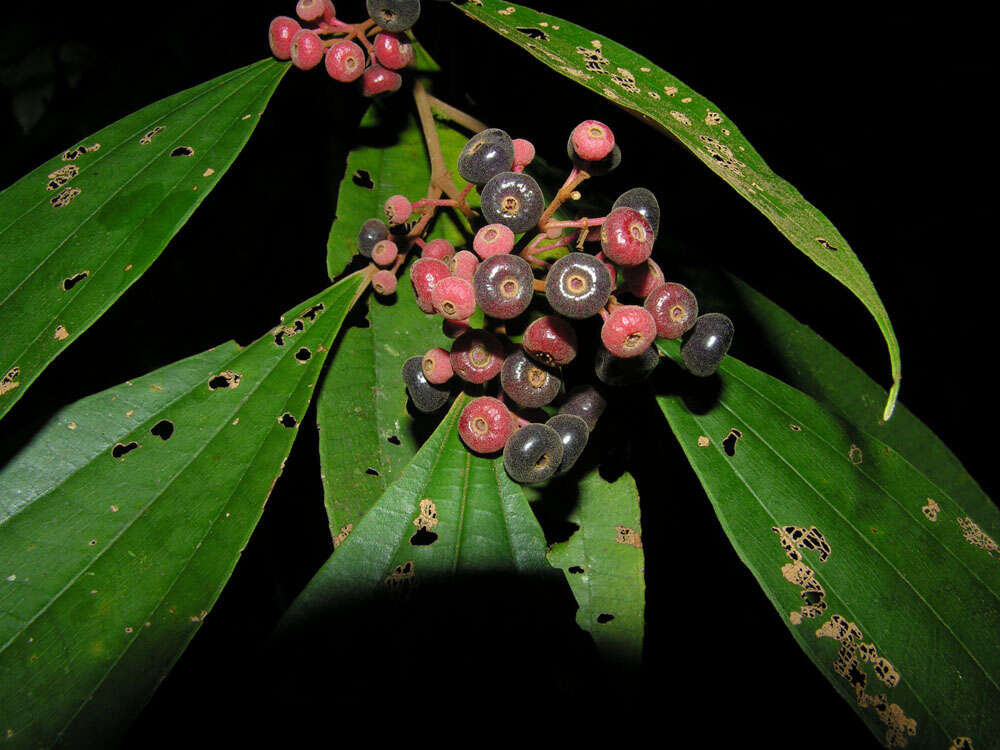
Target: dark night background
(878, 121)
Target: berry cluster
(331, 41)
(523, 343)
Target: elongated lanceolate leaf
(366, 434)
(122, 520)
(603, 563)
(640, 86)
(84, 226)
(888, 584)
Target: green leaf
(603, 563)
(450, 512)
(115, 547)
(887, 583)
(366, 434)
(638, 85)
(83, 227)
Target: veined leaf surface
(642, 87)
(83, 227)
(113, 553)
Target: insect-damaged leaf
(635, 83)
(888, 584)
(84, 226)
(112, 554)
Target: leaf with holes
(889, 585)
(83, 227)
(367, 436)
(638, 85)
(603, 563)
(113, 554)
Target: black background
(879, 121)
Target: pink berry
(592, 140)
(384, 253)
(345, 62)
(378, 80)
(307, 49)
(551, 340)
(674, 309)
(454, 299)
(279, 36)
(477, 356)
(463, 265)
(626, 237)
(612, 269)
(384, 282)
(485, 424)
(437, 366)
(392, 50)
(643, 279)
(439, 248)
(493, 239)
(309, 10)
(628, 331)
(425, 273)
(329, 12)
(397, 210)
(454, 328)
(524, 152)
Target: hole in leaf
(227, 379)
(372, 472)
(363, 179)
(394, 439)
(72, 281)
(311, 313)
(163, 429)
(729, 442)
(182, 151)
(423, 538)
(121, 449)
(604, 618)
(303, 354)
(575, 569)
(287, 420)
(533, 33)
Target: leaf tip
(890, 405)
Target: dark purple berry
(595, 168)
(394, 15)
(426, 396)
(613, 370)
(708, 343)
(485, 155)
(573, 433)
(514, 200)
(578, 286)
(674, 309)
(551, 340)
(643, 201)
(585, 402)
(528, 383)
(372, 232)
(504, 286)
(477, 356)
(532, 454)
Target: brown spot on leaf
(794, 428)
(150, 135)
(61, 176)
(60, 333)
(961, 743)
(9, 381)
(342, 535)
(792, 539)
(703, 441)
(978, 538)
(625, 535)
(400, 580)
(826, 245)
(931, 510)
(65, 197)
(855, 456)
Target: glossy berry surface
(532, 454)
(644, 279)
(626, 237)
(378, 80)
(551, 340)
(592, 140)
(394, 15)
(372, 232)
(674, 309)
(463, 265)
(527, 382)
(440, 249)
(454, 328)
(493, 239)
(279, 36)
(628, 331)
(453, 298)
(307, 49)
(437, 366)
(425, 273)
(384, 253)
(643, 201)
(524, 152)
(392, 50)
(708, 343)
(384, 282)
(309, 10)
(585, 402)
(504, 286)
(485, 155)
(573, 433)
(477, 356)
(485, 424)
(397, 209)
(614, 370)
(426, 397)
(345, 62)
(514, 200)
(578, 285)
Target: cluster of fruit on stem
(520, 341)
(332, 42)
